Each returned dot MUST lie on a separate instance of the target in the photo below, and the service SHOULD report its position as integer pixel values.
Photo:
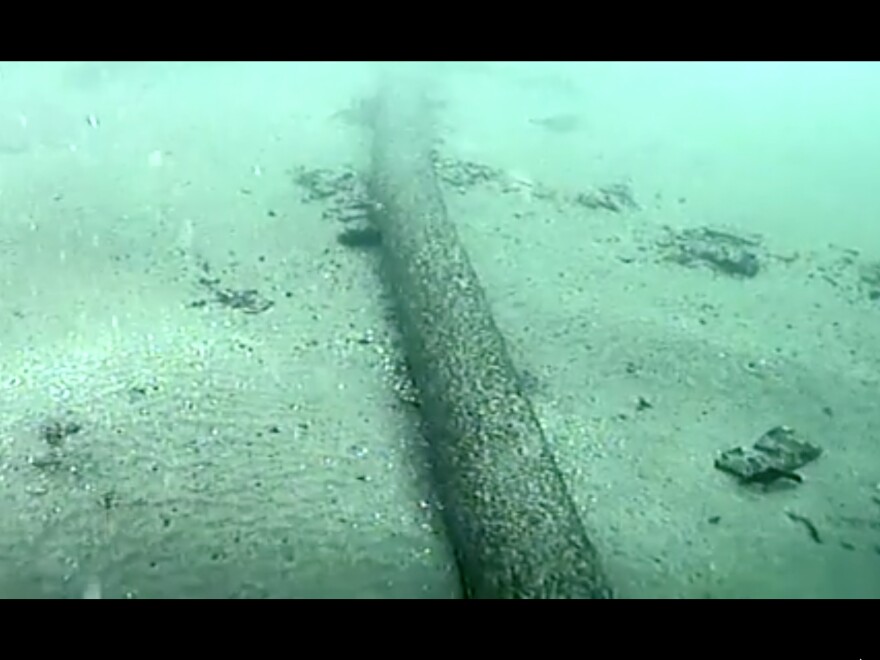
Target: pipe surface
(513, 524)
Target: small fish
(563, 123)
(360, 112)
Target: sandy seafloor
(225, 454)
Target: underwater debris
(615, 197)
(776, 455)
(722, 251)
(54, 432)
(249, 301)
(808, 524)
